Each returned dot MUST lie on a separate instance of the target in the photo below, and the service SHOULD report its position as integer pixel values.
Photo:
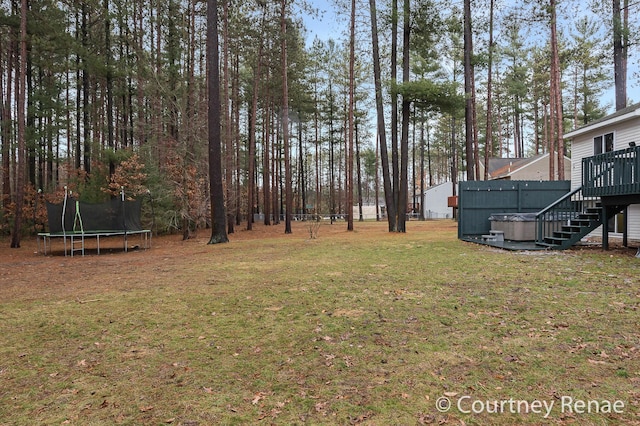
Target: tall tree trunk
(422, 188)
(79, 65)
(275, 165)
(252, 142)
(218, 214)
(6, 123)
(229, 151)
(141, 81)
(31, 145)
(488, 144)
(556, 98)
(332, 189)
(266, 166)
(394, 112)
(377, 182)
(468, 83)
(552, 102)
(285, 122)
(109, 76)
(403, 190)
(86, 130)
(352, 83)
(156, 122)
(517, 145)
(625, 43)
(302, 191)
(414, 133)
(358, 172)
(429, 162)
(235, 108)
(454, 156)
(619, 59)
(20, 165)
(316, 125)
(382, 135)
(536, 122)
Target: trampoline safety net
(113, 215)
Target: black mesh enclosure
(113, 215)
(132, 213)
(54, 215)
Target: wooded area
(97, 96)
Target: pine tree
(21, 150)
(218, 213)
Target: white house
(436, 201)
(615, 132)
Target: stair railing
(553, 217)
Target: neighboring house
(532, 168)
(618, 131)
(436, 201)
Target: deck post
(625, 232)
(605, 228)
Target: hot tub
(516, 226)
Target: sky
(329, 25)
(326, 25)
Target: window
(603, 143)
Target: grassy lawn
(365, 327)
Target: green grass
(350, 328)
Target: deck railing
(612, 173)
(553, 217)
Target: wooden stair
(576, 229)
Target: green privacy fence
(477, 200)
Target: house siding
(582, 146)
(539, 170)
(633, 222)
(531, 175)
(435, 202)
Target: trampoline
(75, 221)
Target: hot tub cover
(513, 217)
